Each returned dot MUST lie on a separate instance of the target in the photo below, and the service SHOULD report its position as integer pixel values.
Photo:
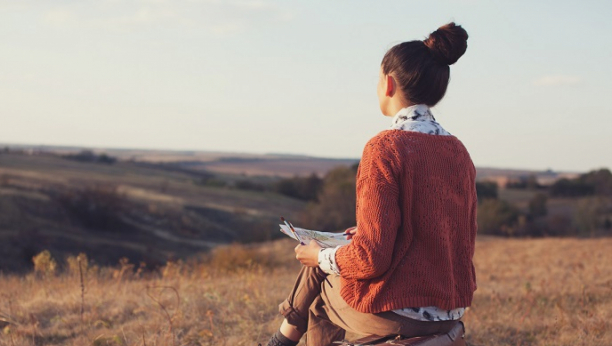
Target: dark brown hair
(421, 67)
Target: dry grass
(542, 292)
(531, 292)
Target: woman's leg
(321, 331)
(289, 331)
(385, 323)
(296, 309)
(306, 289)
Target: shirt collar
(413, 113)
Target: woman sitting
(408, 269)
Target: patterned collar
(414, 113)
(417, 118)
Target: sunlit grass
(531, 292)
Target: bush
(98, 207)
(90, 156)
(44, 264)
(601, 180)
(497, 217)
(335, 209)
(486, 190)
(304, 188)
(233, 257)
(590, 215)
(537, 205)
(597, 182)
(571, 188)
(77, 264)
(529, 182)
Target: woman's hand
(308, 255)
(350, 232)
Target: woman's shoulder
(398, 144)
(393, 136)
(386, 145)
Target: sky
(299, 77)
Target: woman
(408, 269)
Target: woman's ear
(389, 86)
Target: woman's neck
(395, 106)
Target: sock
(278, 339)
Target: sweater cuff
(327, 260)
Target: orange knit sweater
(416, 221)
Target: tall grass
(530, 292)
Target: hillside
(219, 162)
(259, 164)
(127, 209)
(155, 205)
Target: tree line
(588, 200)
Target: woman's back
(416, 233)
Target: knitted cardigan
(416, 221)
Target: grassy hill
(127, 209)
(151, 206)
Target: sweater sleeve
(378, 215)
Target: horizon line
(298, 155)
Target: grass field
(530, 292)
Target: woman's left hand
(308, 255)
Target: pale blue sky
(532, 90)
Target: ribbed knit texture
(416, 221)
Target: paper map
(325, 239)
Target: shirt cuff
(327, 260)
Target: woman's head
(420, 69)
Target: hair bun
(448, 43)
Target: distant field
(220, 162)
(165, 212)
(258, 164)
(285, 167)
(530, 293)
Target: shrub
(98, 207)
(74, 263)
(537, 205)
(497, 217)
(90, 156)
(486, 190)
(304, 188)
(335, 209)
(597, 182)
(571, 188)
(236, 256)
(589, 215)
(44, 264)
(601, 180)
